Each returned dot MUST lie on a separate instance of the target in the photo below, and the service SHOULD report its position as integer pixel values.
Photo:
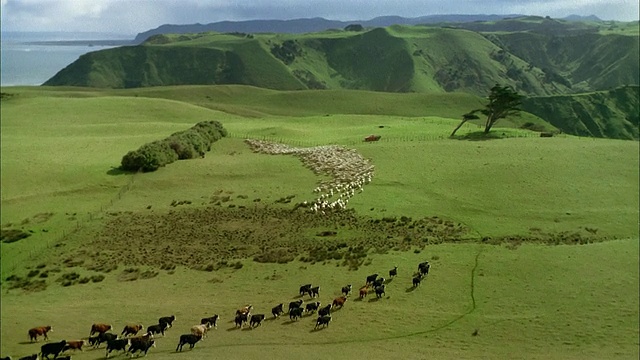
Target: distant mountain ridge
(298, 26)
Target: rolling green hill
(393, 59)
(606, 114)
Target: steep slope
(580, 62)
(392, 59)
(164, 64)
(606, 114)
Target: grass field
(59, 180)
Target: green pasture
(61, 147)
(561, 302)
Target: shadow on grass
(114, 171)
(289, 322)
(480, 136)
(388, 281)
(29, 342)
(316, 329)
(410, 289)
(374, 299)
(233, 328)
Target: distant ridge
(574, 17)
(298, 26)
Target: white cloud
(133, 16)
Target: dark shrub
(12, 235)
(182, 145)
(97, 278)
(33, 273)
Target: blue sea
(28, 64)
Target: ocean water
(28, 64)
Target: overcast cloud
(134, 16)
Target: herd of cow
(130, 342)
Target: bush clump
(279, 256)
(287, 51)
(13, 235)
(182, 145)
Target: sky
(135, 16)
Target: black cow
(240, 319)
(52, 349)
(93, 340)
(346, 290)
(379, 281)
(295, 304)
(295, 313)
(256, 320)
(312, 306)
(142, 344)
(423, 268)
(212, 321)
(393, 272)
(304, 289)
(188, 339)
(9, 357)
(325, 310)
(30, 357)
(157, 329)
(380, 291)
(371, 278)
(314, 291)
(117, 345)
(323, 320)
(416, 280)
(277, 310)
(167, 320)
(104, 337)
(426, 269)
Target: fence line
(81, 220)
(385, 139)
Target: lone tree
(503, 102)
(466, 117)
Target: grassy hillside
(577, 63)
(393, 59)
(195, 226)
(610, 114)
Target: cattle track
(394, 337)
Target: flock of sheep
(347, 169)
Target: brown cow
(74, 345)
(364, 291)
(131, 329)
(99, 328)
(244, 310)
(339, 301)
(39, 331)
